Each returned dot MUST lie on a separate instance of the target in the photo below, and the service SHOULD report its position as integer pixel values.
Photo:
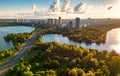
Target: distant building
(60, 20)
(70, 25)
(55, 21)
(59, 24)
(43, 21)
(48, 21)
(17, 20)
(77, 23)
(51, 21)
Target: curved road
(20, 54)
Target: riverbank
(18, 41)
(66, 60)
(22, 52)
(54, 59)
(19, 54)
(90, 34)
(14, 24)
(14, 40)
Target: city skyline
(65, 9)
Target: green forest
(17, 40)
(54, 59)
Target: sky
(55, 8)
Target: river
(112, 38)
(64, 40)
(11, 29)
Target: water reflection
(113, 40)
(11, 29)
(64, 40)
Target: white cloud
(55, 7)
(81, 10)
(66, 7)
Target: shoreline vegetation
(90, 34)
(54, 59)
(3, 24)
(17, 40)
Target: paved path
(20, 54)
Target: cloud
(82, 10)
(66, 7)
(55, 7)
(34, 7)
(65, 10)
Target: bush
(76, 72)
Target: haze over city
(64, 8)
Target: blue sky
(18, 6)
(12, 5)
(27, 4)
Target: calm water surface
(59, 38)
(64, 40)
(11, 29)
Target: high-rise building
(48, 21)
(59, 24)
(70, 25)
(52, 21)
(60, 20)
(55, 21)
(77, 23)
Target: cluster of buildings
(32, 21)
(52, 21)
(70, 23)
(60, 23)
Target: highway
(13, 61)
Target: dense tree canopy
(54, 59)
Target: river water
(64, 40)
(112, 38)
(11, 29)
(112, 41)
